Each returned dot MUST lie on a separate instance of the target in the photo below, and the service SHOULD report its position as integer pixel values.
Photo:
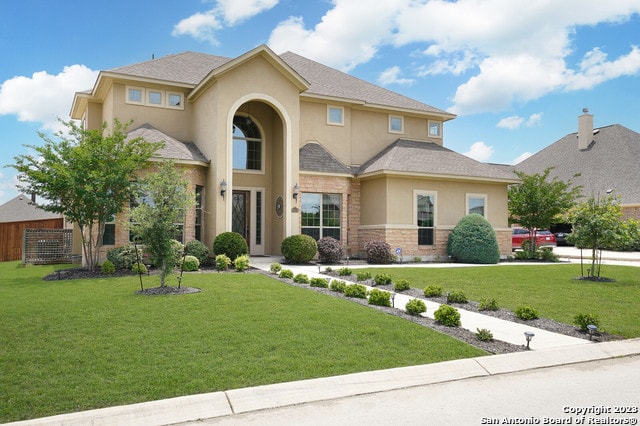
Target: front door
(240, 215)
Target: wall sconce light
(528, 335)
(296, 191)
(223, 187)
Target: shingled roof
(173, 149)
(21, 209)
(611, 161)
(191, 68)
(431, 159)
(315, 158)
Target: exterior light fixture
(296, 191)
(528, 335)
(223, 187)
(593, 329)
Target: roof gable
(184, 152)
(315, 158)
(22, 209)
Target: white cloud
(43, 97)
(391, 76)
(227, 13)
(515, 121)
(521, 157)
(479, 151)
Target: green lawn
(550, 289)
(75, 345)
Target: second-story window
(247, 144)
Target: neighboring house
(19, 214)
(282, 145)
(607, 160)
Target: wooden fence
(12, 234)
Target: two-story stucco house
(277, 145)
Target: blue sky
(516, 72)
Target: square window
(435, 129)
(396, 124)
(154, 97)
(335, 115)
(476, 203)
(135, 95)
(174, 100)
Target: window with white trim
(434, 129)
(335, 115)
(154, 98)
(476, 203)
(425, 211)
(175, 100)
(321, 215)
(135, 95)
(396, 124)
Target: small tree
(536, 202)
(154, 221)
(86, 176)
(597, 223)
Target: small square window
(174, 100)
(154, 97)
(335, 115)
(135, 95)
(396, 124)
(435, 129)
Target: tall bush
(473, 240)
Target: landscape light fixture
(528, 335)
(593, 329)
(296, 191)
(223, 187)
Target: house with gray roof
(276, 145)
(601, 160)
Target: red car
(544, 238)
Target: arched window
(247, 144)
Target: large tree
(537, 202)
(164, 200)
(85, 175)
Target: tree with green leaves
(165, 198)
(597, 223)
(537, 202)
(85, 175)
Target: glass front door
(240, 214)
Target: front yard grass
(80, 344)
(551, 289)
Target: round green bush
(241, 263)
(108, 267)
(330, 250)
(457, 297)
(190, 263)
(124, 257)
(299, 248)
(301, 279)
(473, 240)
(198, 249)
(526, 313)
(382, 279)
(583, 320)
(222, 262)
(139, 268)
(338, 286)
(447, 315)
(488, 304)
(379, 297)
(415, 307)
(401, 285)
(230, 243)
(275, 268)
(319, 282)
(355, 290)
(433, 291)
(286, 273)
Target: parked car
(544, 238)
(561, 231)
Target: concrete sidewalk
(197, 409)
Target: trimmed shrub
(457, 297)
(191, 263)
(178, 252)
(583, 320)
(319, 282)
(526, 313)
(447, 315)
(473, 240)
(301, 279)
(198, 249)
(356, 290)
(401, 285)
(241, 263)
(378, 252)
(275, 268)
(382, 279)
(286, 273)
(484, 335)
(379, 297)
(345, 271)
(329, 250)
(108, 267)
(222, 262)
(139, 268)
(299, 248)
(363, 275)
(488, 304)
(124, 257)
(433, 291)
(230, 243)
(415, 307)
(338, 286)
